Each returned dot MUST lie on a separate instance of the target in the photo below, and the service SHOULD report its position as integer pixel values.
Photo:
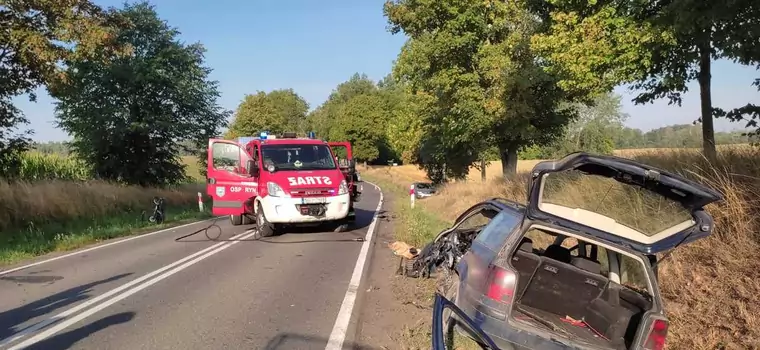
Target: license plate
(313, 200)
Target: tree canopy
(656, 47)
(277, 111)
(36, 37)
(128, 115)
(474, 61)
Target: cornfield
(37, 166)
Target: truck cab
(278, 181)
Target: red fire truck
(279, 181)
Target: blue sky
(311, 46)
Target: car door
(227, 179)
(439, 334)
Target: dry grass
(412, 173)
(710, 287)
(28, 204)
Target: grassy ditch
(42, 217)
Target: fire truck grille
(312, 192)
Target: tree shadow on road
(66, 340)
(284, 341)
(11, 320)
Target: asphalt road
(283, 292)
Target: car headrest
(587, 265)
(559, 253)
(526, 245)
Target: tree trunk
(483, 170)
(708, 130)
(508, 157)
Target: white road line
(71, 321)
(338, 334)
(98, 247)
(38, 326)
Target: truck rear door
(227, 181)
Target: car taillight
(501, 284)
(657, 335)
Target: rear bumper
(284, 210)
(504, 335)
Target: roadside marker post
(411, 194)
(200, 202)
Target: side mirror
(253, 168)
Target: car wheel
(247, 220)
(236, 220)
(264, 228)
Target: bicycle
(158, 211)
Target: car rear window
(498, 229)
(637, 208)
(632, 273)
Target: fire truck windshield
(297, 157)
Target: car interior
(567, 286)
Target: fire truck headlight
(343, 188)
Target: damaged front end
(443, 253)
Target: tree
(129, 116)
(474, 58)
(656, 46)
(404, 129)
(36, 36)
(277, 111)
(322, 119)
(359, 111)
(361, 120)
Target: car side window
(477, 219)
(498, 229)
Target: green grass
(415, 226)
(22, 244)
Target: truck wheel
(263, 226)
(236, 220)
(247, 220)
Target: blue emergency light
(264, 135)
(312, 135)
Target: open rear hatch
(621, 201)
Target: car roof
(503, 203)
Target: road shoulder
(395, 311)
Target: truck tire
(236, 220)
(264, 228)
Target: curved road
(286, 292)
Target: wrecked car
(575, 268)
(423, 189)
